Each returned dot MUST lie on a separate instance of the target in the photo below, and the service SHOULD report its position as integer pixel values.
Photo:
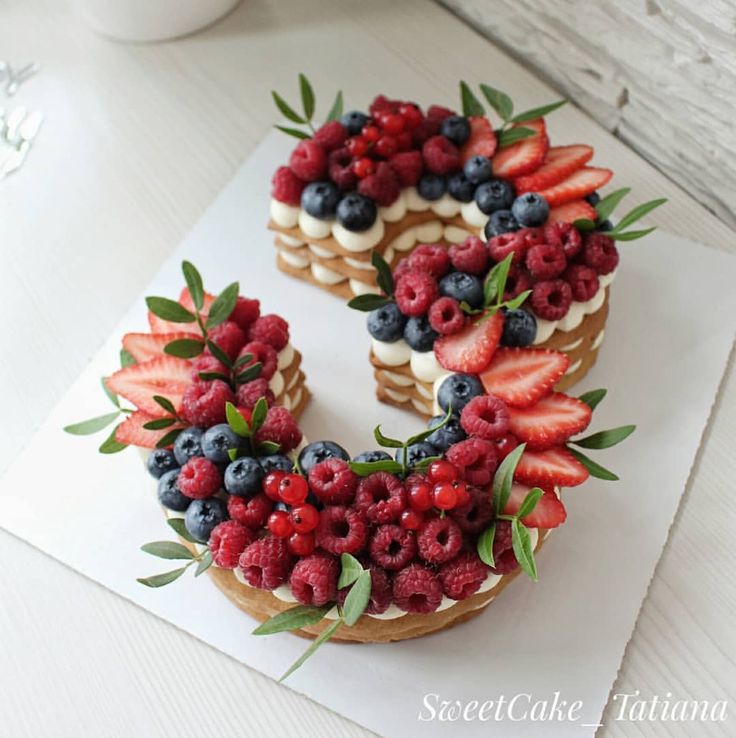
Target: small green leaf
(93, 425)
(307, 93)
(258, 417)
(165, 403)
(384, 279)
(211, 376)
(159, 423)
(126, 358)
(223, 305)
(159, 580)
(630, 235)
(606, 205)
(244, 359)
(111, 445)
(485, 545)
(499, 101)
(530, 502)
(639, 212)
(471, 104)
(266, 448)
(236, 421)
(295, 132)
(504, 478)
(522, 544)
(535, 113)
(184, 348)
(169, 310)
(204, 563)
(110, 395)
(324, 636)
(367, 303)
(219, 354)
(180, 528)
(337, 107)
(385, 441)
(350, 570)
(584, 225)
(514, 135)
(286, 110)
(469, 310)
(518, 301)
(606, 438)
(495, 282)
(292, 619)
(593, 398)
(194, 282)
(167, 550)
(425, 434)
(365, 468)
(357, 599)
(252, 372)
(595, 469)
(169, 438)
(232, 453)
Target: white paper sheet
(665, 350)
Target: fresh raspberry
(333, 482)
(411, 113)
(381, 497)
(545, 261)
(417, 589)
(249, 393)
(228, 336)
(476, 457)
(383, 186)
(441, 156)
(253, 512)
(314, 580)
(286, 186)
(280, 427)
(564, 235)
(476, 514)
(199, 478)
(551, 300)
(227, 541)
(331, 135)
(600, 252)
(381, 102)
(341, 530)
(340, 169)
(415, 292)
(432, 258)
(245, 312)
(439, 540)
(270, 329)
(263, 353)
(461, 578)
(404, 140)
(401, 268)
(503, 552)
(446, 317)
(583, 281)
(470, 256)
(499, 247)
(308, 161)
(437, 112)
(208, 364)
(426, 128)
(265, 563)
(203, 403)
(408, 166)
(380, 598)
(392, 547)
(517, 281)
(485, 416)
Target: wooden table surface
(138, 141)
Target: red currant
(357, 145)
(392, 123)
(305, 518)
(411, 519)
(371, 134)
(293, 489)
(271, 484)
(420, 496)
(442, 471)
(301, 544)
(462, 494)
(505, 445)
(279, 523)
(386, 146)
(411, 114)
(363, 167)
(444, 496)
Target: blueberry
(387, 323)
(431, 186)
(276, 462)
(493, 195)
(592, 199)
(216, 442)
(369, 456)
(187, 444)
(519, 328)
(606, 225)
(319, 451)
(160, 461)
(530, 210)
(354, 121)
(320, 199)
(458, 390)
(478, 169)
(419, 334)
(448, 435)
(463, 287)
(416, 452)
(502, 221)
(243, 477)
(168, 492)
(456, 128)
(460, 187)
(356, 212)
(203, 515)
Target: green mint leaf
(223, 305)
(169, 438)
(292, 619)
(504, 478)
(419, 437)
(126, 358)
(179, 527)
(159, 580)
(471, 104)
(194, 282)
(606, 205)
(244, 359)
(167, 550)
(204, 563)
(423, 464)
(499, 101)
(516, 302)
(606, 438)
(522, 544)
(630, 235)
(307, 93)
(93, 425)
(357, 599)
(495, 282)
(530, 502)
(584, 225)
(184, 348)
(236, 421)
(593, 398)
(165, 403)
(266, 448)
(469, 310)
(324, 636)
(169, 310)
(539, 112)
(336, 109)
(385, 441)
(258, 417)
(350, 570)
(514, 135)
(365, 468)
(159, 423)
(595, 469)
(249, 374)
(295, 132)
(219, 354)
(367, 303)
(110, 395)
(232, 453)
(385, 279)
(639, 212)
(485, 545)
(111, 445)
(209, 376)
(286, 110)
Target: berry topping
(271, 484)
(502, 221)
(460, 187)
(470, 256)
(415, 292)
(457, 390)
(485, 417)
(318, 451)
(248, 394)
(462, 576)
(341, 530)
(444, 437)
(383, 186)
(503, 552)
(545, 261)
(368, 456)
(333, 482)
(340, 168)
(408, 166)
(530, 209)
(499, 247)
(270, 329)
(519, 328)
(444, 496)
(160, 461)
(476, 458)
(549, 422)
(305, 518)
(356, 212)
(551, 299)
(419, 334)
(572, 211)
(478, 169)
(471, 349)
(202, 516)
(599, 252)
(217, 441)
(417, 589)
(553, 466)
(293, 489)
(419, 493)
(387, 323)
(392, 547)
(456, 128)
(463, 288)
(415, 453)
(228, 336)
(262, 353)
(526, 155)
(301, 544)
(482, 141)
(431, 186)
(441, 155)
(381, 497)
(188, 444)
(276, 462)
(432, 258)
(320, 199)
(577, 185)
(308, 161)
(314, 580)
(145, 346)
(565, 236)
(354, 121)
(331, 135)
(203, 403)
(411, 519)
(199, 478)
(583, 281)
(445, 316)
(281, 428)
(286, 187)
(518, 281)
(227, 541)
(280, 524)
(251, 512)
(168, 492)
(439, 540)
(549, 512)
(493, 195)
(505, 445)
(476, 513)
(380, 598)
(560, 162)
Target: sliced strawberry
(165, 375)
(524, 156)
(549, 512)
(551, 421)
(132, 432)
(553, 466)
(470, 350)
(577, 185)
(572, 211)
(560, 162)
(482, 141)
(522, 376)
(145, 346)
(159, 325)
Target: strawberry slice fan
(413, 537)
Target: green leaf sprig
(384, 279)
(247, 431)
(605, 208)
(308, 103)
(494, 287)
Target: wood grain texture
(138, 141)
(661, 74)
